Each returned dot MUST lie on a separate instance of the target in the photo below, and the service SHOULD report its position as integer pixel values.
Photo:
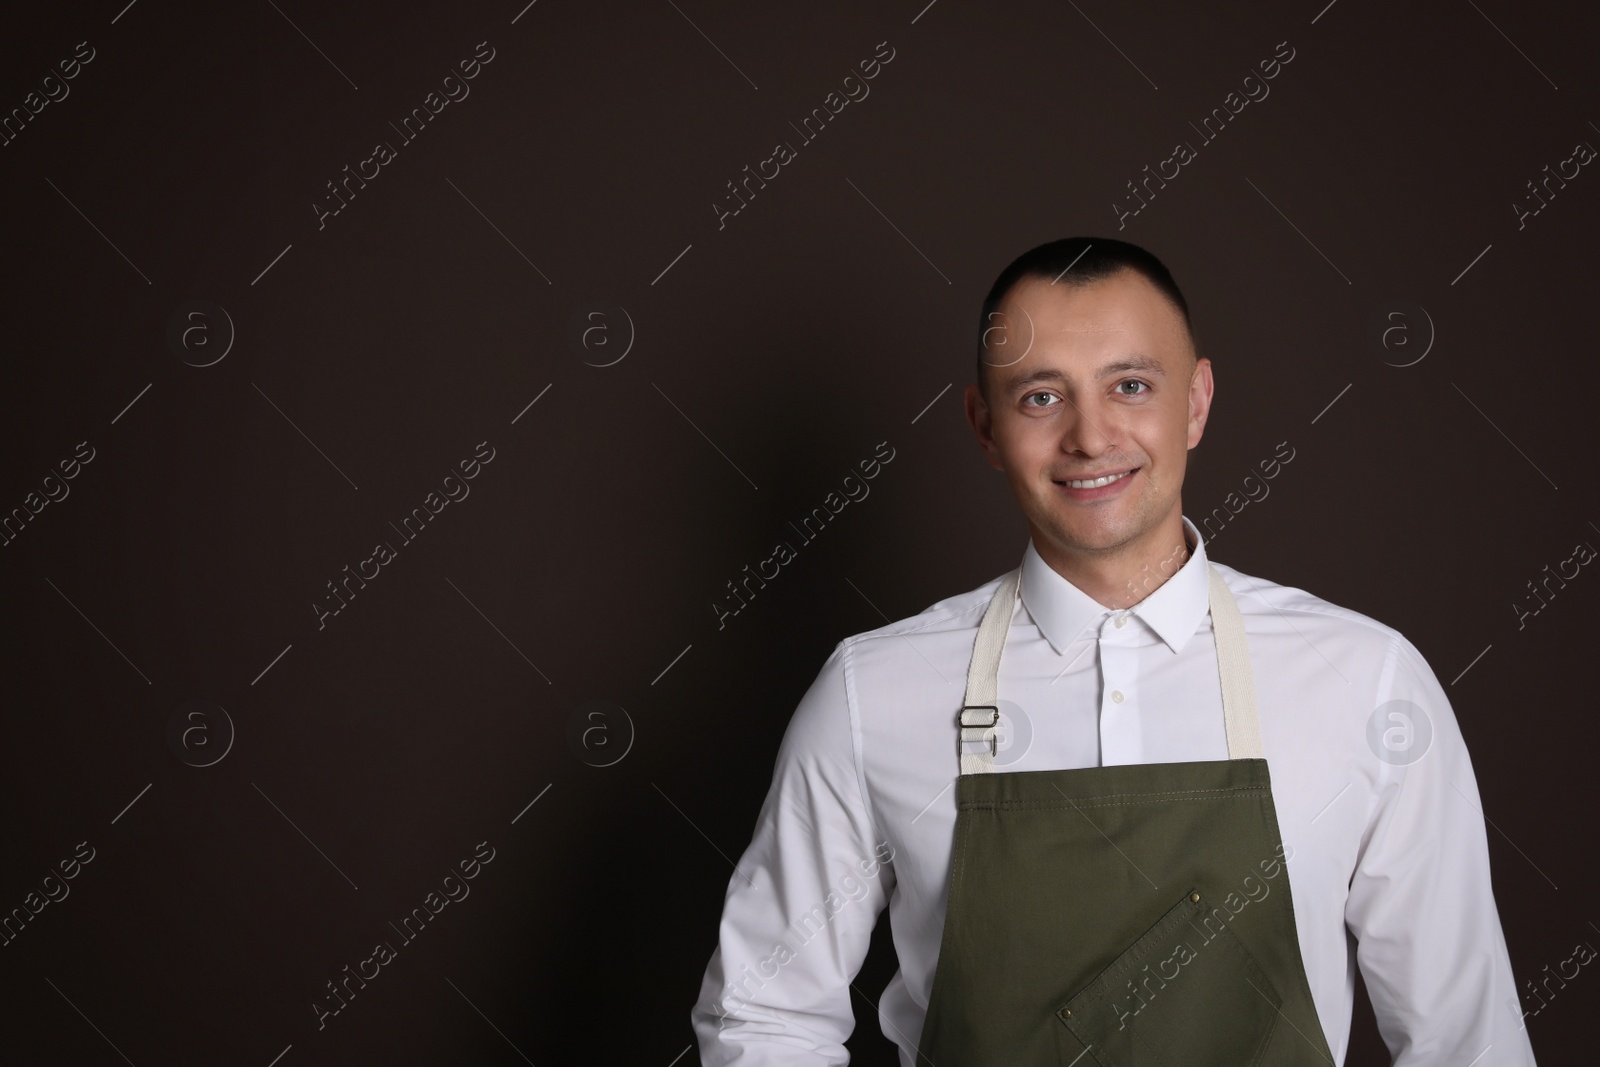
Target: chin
(1090, 536)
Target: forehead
(1049, 332)
(1120, 311)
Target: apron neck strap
(980, 713)
(1233, 664)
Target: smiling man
(1173, 807)
(1094, 430)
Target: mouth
(1095, 482)
(1097, 487)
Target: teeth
(1095, 483)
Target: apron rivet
(1194, 898)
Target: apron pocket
(1187, 993)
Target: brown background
(838, 310)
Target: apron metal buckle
(993, 718)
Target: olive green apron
(1121, 916)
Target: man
(1088, 854)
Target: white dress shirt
(861, 811)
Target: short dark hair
(1078, 261)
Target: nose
(1086, 430)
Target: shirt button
(1116, 696)
(1122, 620)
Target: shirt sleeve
(1421, 906)
(801, 904)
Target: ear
(1200, 389)
(982, 423)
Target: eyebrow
(1137, 362)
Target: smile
(1094, 483)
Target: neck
(1121, 580)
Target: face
(1093, 382)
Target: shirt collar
(1062, 610)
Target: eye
(1026, 401)
(1133, 381)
